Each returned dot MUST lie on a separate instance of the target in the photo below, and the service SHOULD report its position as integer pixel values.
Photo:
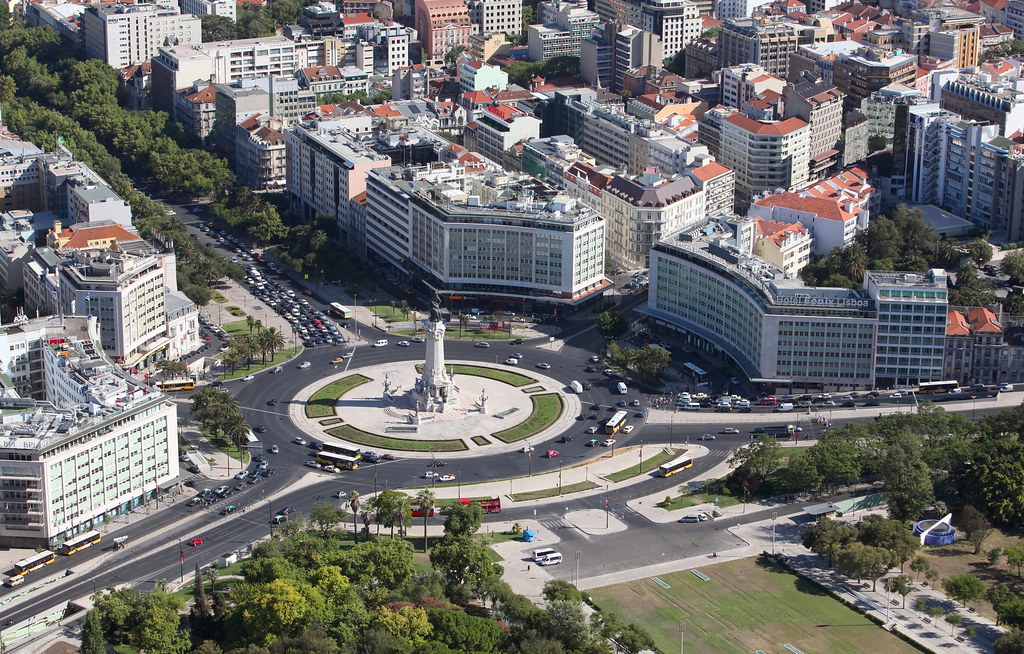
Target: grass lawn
(236, 328)
(234, 311)
(713, 490)
(547, 407)
(331, 421)
(650, 464)
(125, 649)
(227, 447)
(321, 403)
(218, 297)
(387, 314)
(554, 492)
(353, 435)
(257, 365)
(504, 376)
(745, 608)
(480, 440)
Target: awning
(159, 344)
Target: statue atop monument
(435, 308)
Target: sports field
(744, 608)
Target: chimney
(56, 228)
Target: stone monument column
(435, 384)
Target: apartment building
(564, 36)
(260, 153)
(179, 66)
(442, 25)
(832, 224)
(195, 108)
(982, 346)
(97, 445)
(279, 98)
(490, 239)
(969, 169)
(787, 246)
(121, 35)
(496, 16)
(326, 170)
(765, 155)
(820, 105)
(675, 22)
(756, 41)
(478, 76)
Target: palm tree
(366, 523)
(232, 357)
(274, 340)
(405, 309)
(354, 504)
(247, 347)
(252, 323)
(463, 322)
(425, 499)
(394, 306)
(236, 429)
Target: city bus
(931, 388)
(338, 448)
(176, 385)
(80, 542)
(488, 504)
(617, 422)
(339, 461)
(674, 466)
(34, 562)
(697, 375)
(342, 312)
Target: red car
(552, 453)
(307, 292)
(196, 542)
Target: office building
(979, 97)
(755, 41)
(498, 129)
(224, 8)
(121, 35)
(278, 98)
(223, 62)
(820, 105)
(550, 158)
(614, 49)
(563, 36)
(98, 445)
(911, 324)
(867, 70)
(496, 17)
(490, 238)
(326, 171)
(675, 22)
(743, 82)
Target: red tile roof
(778, 232)
(757, 127)
(80, 238)
(956, 324)
(984, 321)
(828, 209)
(209, 94)
(709, 171)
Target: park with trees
(319, 588)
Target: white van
(691, 406)
(381, 343)
(551, 559)
(621, 388)
(576, 387)
(541, 554)
(784, 407)
(11, 582)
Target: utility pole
(606, 512)
(559, 478)
(641, 457)
(579, 555)
(775, 514)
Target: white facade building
(121, 35)
(497, 16)
(100, 446)
(224, 8)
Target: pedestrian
(527, 567)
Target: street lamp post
(529, 463)
(181, 561)
(270, 504)
(459, 478)
(559, 478)
(641, 457)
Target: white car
(448, 477)
(248, 378)
(512, 361)
(430, 473)
(1006, 388)
(304, 365)
(299, 440)
(330, 469)
(695, 517)
(242, 475)
(627, 429)
(730, 430)
(707, 437)
(417, 339)
(527, 448)
(313, 464)
(608, 442)
(341, 495)
(402, 343)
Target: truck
(778, 431)
(576, 387)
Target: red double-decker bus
(417, 512)
(488, 504)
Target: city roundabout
(490, 409)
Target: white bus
(342, 312)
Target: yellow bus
(176, 385)
(674, 466)
(80, 542)
(337, 448)
(617, 422)
(339, 461)
(34, 562)
(337, 309)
